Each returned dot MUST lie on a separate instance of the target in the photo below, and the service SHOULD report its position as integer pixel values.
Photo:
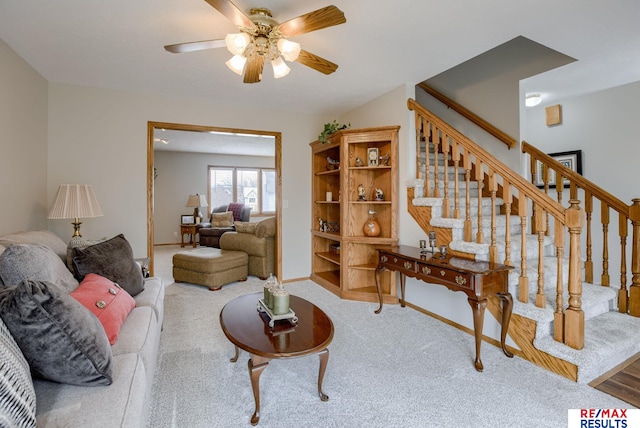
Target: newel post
(574, 316)
(634, 289)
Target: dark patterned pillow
(60, 339)
(17, 396)
(236, 209)
(35, 262)
(112, 259)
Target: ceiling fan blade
(312, 21)
(232, 13)
(253, 69)
(195, 46)
(317, 63)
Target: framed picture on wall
(571, 160)
(187, 219)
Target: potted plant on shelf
(330, 128)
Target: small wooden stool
(211, 267)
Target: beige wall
(23, 145)
(99, 136)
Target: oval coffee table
(248, 329)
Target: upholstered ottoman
(211, 267)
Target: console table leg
(256, 367)
(379, 287)
(402, 282)
(324, 359)
(478, 308)
(507, 307)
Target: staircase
(484, 211)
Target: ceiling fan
(262, 39)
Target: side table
(191, 230)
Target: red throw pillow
(107, 301)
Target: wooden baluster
(541, 228)
(604, 218)
(437, 141)
(523, 281)
(558, 315)
(508, 200)
(446, 208)
(428, 187)
(533, 165)
(419, 150)
(634, 289)
(623, 298)
(467, 179)
(456, 180)
(493, 248)
(574, 316)
(480, 179)
(588, 264)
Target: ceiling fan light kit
(262, 39)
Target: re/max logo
(603, 413)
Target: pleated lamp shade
(75, 201)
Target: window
(254, 187)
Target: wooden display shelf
(332, 257)
(351, 274)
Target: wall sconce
(532, 100)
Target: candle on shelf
(329, 196)
(280, 301)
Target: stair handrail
(491, 129)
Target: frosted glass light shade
(236, 43)
(236, 64)
(289, 50)
(532, 100)
(280, 69)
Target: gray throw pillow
(61, 340)
(17, 396)
(35, 262)
(112, 259)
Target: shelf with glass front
(355, 198)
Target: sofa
(219, 223)
(258, 241)
(40, 384)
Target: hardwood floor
(622, 382)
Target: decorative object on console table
(75, 201)
(196, 201)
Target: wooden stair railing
(628, 216)
(433, 134)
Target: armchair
(258, 241)
(210, 235)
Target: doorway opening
(207, 146)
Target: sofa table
(476, 279)
(191, 230)
(248, 329)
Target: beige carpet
(397, 369)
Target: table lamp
(196, 201)
(75, 201)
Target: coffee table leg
(324, 359)
(235, 358)
(256, 367)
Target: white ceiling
(213, 142)
(384, 44)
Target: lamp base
(76, 227)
